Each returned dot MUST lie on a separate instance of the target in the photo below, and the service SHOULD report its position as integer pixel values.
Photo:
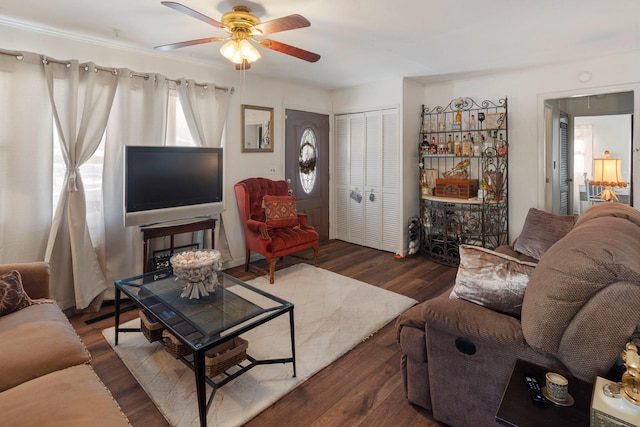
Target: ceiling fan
(243, 27)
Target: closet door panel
(392, 223)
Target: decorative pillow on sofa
(541, 230)
(280, 211)
(12, 295)
(491, 279)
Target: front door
(307, 166)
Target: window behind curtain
(178, 134)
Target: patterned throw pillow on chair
(280, 211)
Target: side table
(152, 232)
(517, 409)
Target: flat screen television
(171, 183)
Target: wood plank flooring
(362, 388)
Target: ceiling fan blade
(286, 23)
(290, 50)
(188, 11)
(189, 43)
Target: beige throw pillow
(491, 279)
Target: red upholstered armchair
(272, 227)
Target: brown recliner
(272, 243)
(580, 307)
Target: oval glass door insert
(307, 160)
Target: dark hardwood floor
(362, 388)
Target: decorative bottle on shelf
(502, 147)
(472, 122)
(433, 148)
(466, 145)
(457, 148)
(442, 146)
(489, 145)
(458, 123)
(476, 146)
(450, 145)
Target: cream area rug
(332, 314)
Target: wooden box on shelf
(457, 188)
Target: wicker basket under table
(224, 356)
(151, 329)
(173, 346)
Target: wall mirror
(257, 129)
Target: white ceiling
(361, 41)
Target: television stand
(152, 232)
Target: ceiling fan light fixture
(238, 51)
(248, 51)
(231, 51)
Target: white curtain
(25, 158)
(138, 117)
(81, 98)
(205, 109)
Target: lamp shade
(248, 52)
(607, 171)
(231, 51)
(238, 51)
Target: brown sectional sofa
(580, 307)
(46, 377)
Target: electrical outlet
(271, 171)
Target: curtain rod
(46, 60)
(18, 55)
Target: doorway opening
(578, 129)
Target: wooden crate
(457, 188)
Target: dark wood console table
(170, 230)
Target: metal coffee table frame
(138, 289)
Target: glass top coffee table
(200, 324)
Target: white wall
(611, 133)
(526, 91)
(249, 89)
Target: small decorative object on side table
(198, 270)
(618, 404)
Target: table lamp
(607, 172)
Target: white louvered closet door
(349, 159)
(367, 179)
(341, 178)
(373, 181)
(392, 222)
(356, 179)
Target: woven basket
(174, 346)
(151, 329)
(224, 356)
